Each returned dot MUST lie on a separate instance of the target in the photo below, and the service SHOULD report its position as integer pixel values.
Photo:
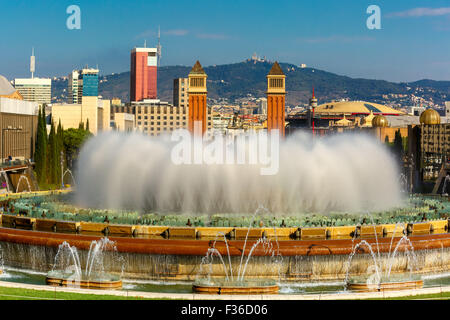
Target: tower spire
(158, 48)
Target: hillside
(237, 80)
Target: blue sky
(413, 43)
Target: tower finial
(32, 63)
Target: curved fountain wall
(36, 251)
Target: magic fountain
(178, 223)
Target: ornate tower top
(276, 70)
(197, 79)
(197, 69)
(276, 80)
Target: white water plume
(343, 172)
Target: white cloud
(212, 36)
(176, 32)
(336, 38)
(146, 34)
(421, 12)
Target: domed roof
(355, 107)
(5, 87)
(430, 116)
(380, 121)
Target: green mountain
(232, 81)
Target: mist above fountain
(336, 173)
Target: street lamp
(62, 170)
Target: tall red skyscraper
(143, 74)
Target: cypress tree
(60, 143)
(52, 157)
(398, 144)
(40, 154)
(87, 124)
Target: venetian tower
(197, 99)
(276, 92)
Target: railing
(5, 163)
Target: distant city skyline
(411, 45)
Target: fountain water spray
(336, 173)
(68, 264)
(23, 177)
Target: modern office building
(82, 83)
(181, 92)
(143, 74)
(262, 106)
(35, 89)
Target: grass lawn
(31, 294)
(435, 296)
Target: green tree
(40, 154)
(81, 125)
(73, 141)
(53, 156)
(87, 124)
(60, 140)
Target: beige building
(116, 102)
(124, 121)
(18, 126)
(154, 117)
(92, 108)
(180, 92)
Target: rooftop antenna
(32, 63)
(158, 48)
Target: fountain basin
(236, 287)
(67, 279)
(392, 283)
